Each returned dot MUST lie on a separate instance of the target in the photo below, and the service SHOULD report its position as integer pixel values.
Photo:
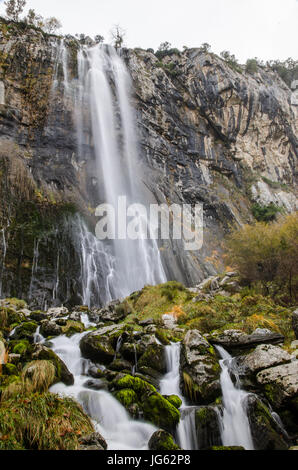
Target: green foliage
(265, 213)
(267, 254)
(287, 70)
(251, 66)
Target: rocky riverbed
(122, 357)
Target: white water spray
(235, 427)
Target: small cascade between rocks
(234, 424)
(170, 385)
(109, 417)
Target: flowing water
(109, 417)
(235, 427)
(170, 385)
(105, 89)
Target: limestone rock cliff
(208, 133)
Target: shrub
(265, 213)
(267, 254)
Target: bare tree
(99, 39)
(14, 8)
(118, 35)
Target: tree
(267, 254)
(33, 19)
(118, 35)
(14, 8)
(99, 39)
(205, 47)
(251, 66)
(165, 46)
(51, 25)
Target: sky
(247, 28)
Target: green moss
(160, 411)
(162, 440)
(127, 397)
(20, 347)
(174, 400)
(136, 384)
(220, 448)
(9, 369)
(72, 328)
(154, 357)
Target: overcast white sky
(247, 28)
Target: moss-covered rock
(155, 407)
(25, 331)
(221, 448)
(62, 373)
(200, 369)
(98, 345)
(9, 369)
(207, 427)
(72, 328)
(162, 440)
(50, 328)
(154, 357)
(127, 397)
(174, 400)
(22, 347)
(266, 433)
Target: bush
(267, 254)
(265, 213)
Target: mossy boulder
(9, 369)
(22, 347)
(50, 328)
(174, 400)
(62, 373)
(72, 328)
(155, 407)
(207, 427)
(25, 330)
(200, 369)
(98, 345)
(154, 357)
(162, 440)
(127, 397)
(160, 411)
(266, 433)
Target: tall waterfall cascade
(104, 115)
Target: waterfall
(235, 427)
(104, 89)
(109, 417)
(170, 385)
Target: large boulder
(113, 312)
(207, 427)
(99, 344)
(263, 357)
(25, 330)
(162, 440)
(200, 369)
(266, 432)
(50, 328)
(62, 373)
(295, 322)
(135, 393)
(280, 384)
(237, 339)
(154, 357)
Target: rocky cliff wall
(208, 133)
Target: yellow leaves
(176, 312)
(259, 321)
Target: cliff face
(208, 134)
